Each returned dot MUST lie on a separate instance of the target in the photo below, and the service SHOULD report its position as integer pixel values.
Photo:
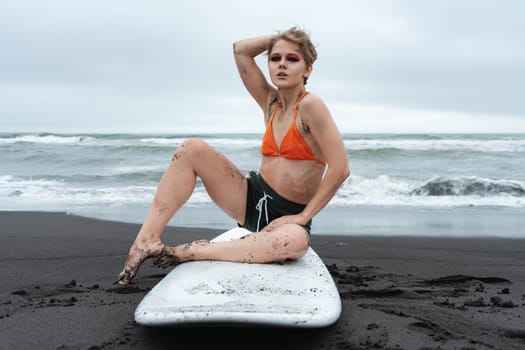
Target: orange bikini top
(293, 144)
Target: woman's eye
(275, 58)
(292, 58)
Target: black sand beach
(57, 291)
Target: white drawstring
(259, 207)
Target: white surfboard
(297, 293)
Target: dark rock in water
(71, 283)
(465, 278)
(21, 293)
(475, 303)
(467, 186)
(519, 334)
(497, 301)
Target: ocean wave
(65, 170)
(435, 192)
(46, 139)
(139, 170)
(378, 143)
(213, 141)
(422, 144)
(469, 186)
(127, 141)
(19, 191)
(358, 190)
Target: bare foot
(175, 255)
(139, 251)
(168, 257)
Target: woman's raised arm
(245, 52)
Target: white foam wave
(48, 139)
(408, 144)
(382, 190)
(38, 191)
(134, 169)
(479, 145)
(16, 192)
(470, 143)
(126, 141)
(214, 142)
(163, 141)
(387, 191)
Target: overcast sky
(166, 66)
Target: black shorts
(263, 205)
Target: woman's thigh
(224, 182)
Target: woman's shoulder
(314, 112)
(312, 103)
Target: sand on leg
(225, 184)
(286, 242)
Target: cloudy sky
(166, 66)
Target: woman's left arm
(318, 119)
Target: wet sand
(57, 291)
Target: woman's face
(287, 65)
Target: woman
(278, 203)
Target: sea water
(453, 184)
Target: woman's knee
(192, 146)
(301, 243)
(295, 241)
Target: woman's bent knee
(300, 248)
(191, 146)
(295, 243)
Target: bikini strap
(274, 112)
(296, 106)
(274, 107)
